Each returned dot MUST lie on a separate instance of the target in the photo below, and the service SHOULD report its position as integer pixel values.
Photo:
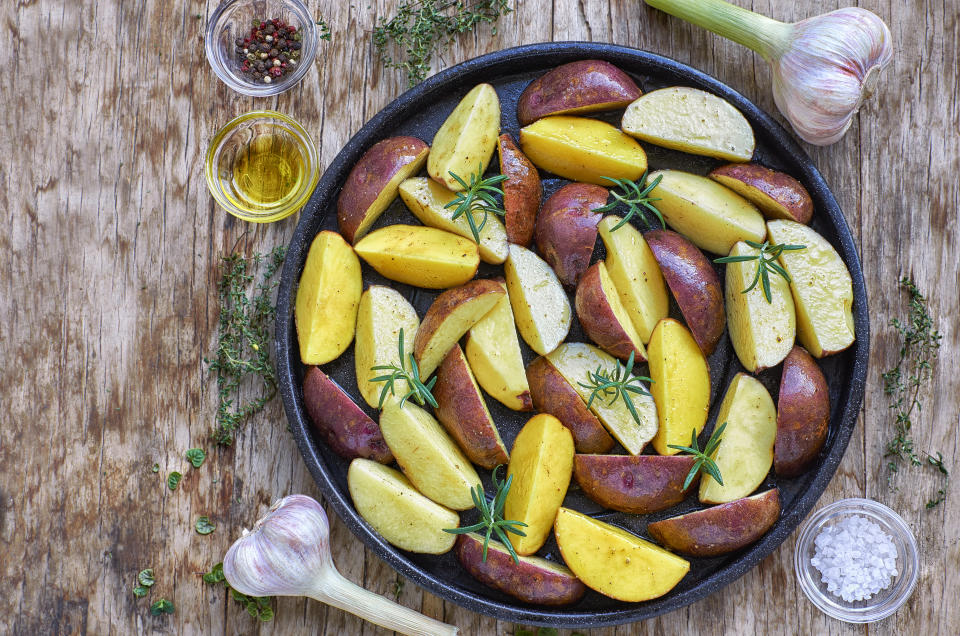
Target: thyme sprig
(615, 384)
(491, 516)
(704, 461)
(766, 260)
(409, 372)
(257, 606)
(636, 196)
(477, 197)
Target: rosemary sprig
(704, 461)
(767, 260)
(636, 196)
(476, 197)
(491, 516)
(616, 384)
(409, 372)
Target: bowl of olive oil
(262, 166)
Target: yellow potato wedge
(711, 216)
(426, 199)
(541, 464)
(821, 286)
(327, 299)
(401, 515)
(745, 453)
(540, 305)
(690, 120)
(428, 457)
(574, 360)
(615, 562)
(467, 139)
(420, 256)
(383, 313)
(582, 149)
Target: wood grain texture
(107, 308)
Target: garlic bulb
(288, 554)
(823, 67)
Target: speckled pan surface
(419, 112)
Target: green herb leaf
(476, 200)
(704, 461)
(766, 260)
(491, 516)
(204, 526)
(196, 456)
(409, 373)
(636, 196)
(156, 468)
(163, 606)
(323, 29)
(173, 480)
(139, 591)
(616, 384)
(146, 578)
(215, 575)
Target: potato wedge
(327, 299)
(745, 453)
(638, 484)
(552, 394)
(464, 414)
(603, 316)
(383, 313)
(720, 529)
(707, 213)
(635, 275)
(694, 284)
(567, 229)
(762, 333)
(401, 515)
(427, 456)
(339, 422)
(426, 199)
(522, 192)
(466, 140)
(533, 580)
(803, 414)
(681, 385)
(420, 256)
(584, 86)
(615, 562)
(493, 350)
(821, 286)
(372, 184)
(540, 306)
(541, 463)
(582, 149)
(776, 194)
(574, 360)
(450, 316)
(690, 120)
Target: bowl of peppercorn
(261, 47)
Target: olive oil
(268, 171)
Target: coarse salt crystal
(855, 558)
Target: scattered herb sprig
(409, 372)
(477, 197)
(767, 260)
(145, 580)
(256, 606)
(323, 29)
(163, 606)
(491, 516)
(615, 384)
(704, 462)
(636, 196)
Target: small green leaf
(215, 575)
(196, 456)
(163, 606)
(266, 614)
(173, 480)
(139, 591)
(156, 468)
(204, 526)
(146, 578)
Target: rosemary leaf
(766, 260)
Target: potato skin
(522, 191)
(578, 87)
(566, 230)
(719, 529)
(552, 394)
(803, 414)
(340, 422)
(694, 284)
(599, 320)
(637, 484)
(777, 194)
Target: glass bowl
(233, 19)
(262, 166)
(883, 603)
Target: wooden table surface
(107, 305)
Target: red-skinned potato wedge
(462, 411)
(721, 529)
(533, 580)
(567, 229)
(584, 86)
(803, 414)
(694, 284)
(552, 394)
(603, 316)
(776, 194)
(637, 484)
(521, 191)
(372, 184)
(340, 422)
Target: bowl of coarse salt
(856, 560)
